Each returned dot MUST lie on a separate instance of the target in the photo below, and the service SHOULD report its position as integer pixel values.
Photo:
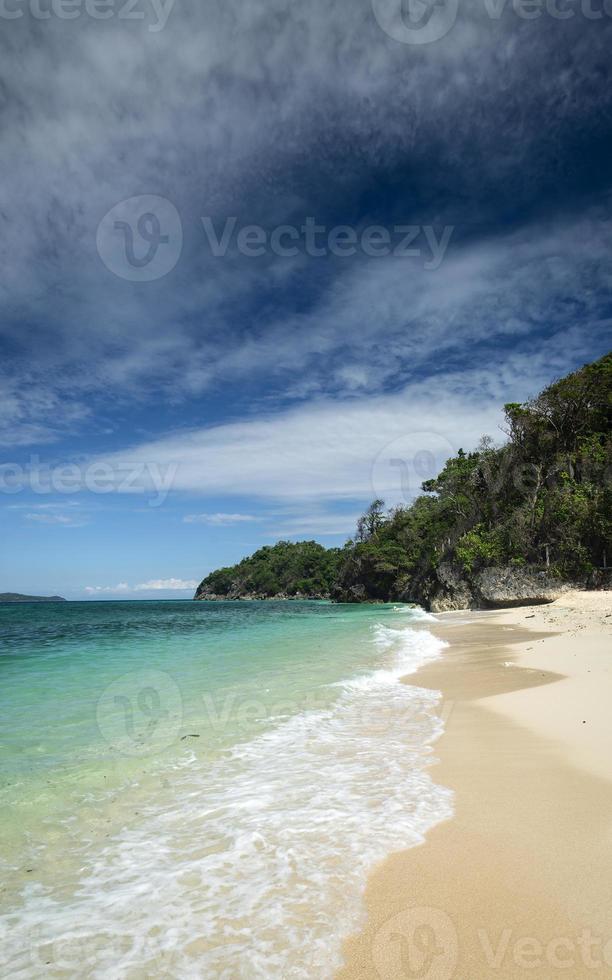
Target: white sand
(518, 884)
(577, 710)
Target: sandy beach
(519, 882)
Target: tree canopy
(543, 497)
(288, 568)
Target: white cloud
(61, 520)
(45, 506)
(154, 585)
(335, 79)
(95, 589)
(340, 449)
(331, 450)
(167, 585)
(219, 520)
(315, 526)
(398, 319)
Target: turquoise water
(240, 766)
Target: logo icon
(81, 950)
(405, 463)
(141, 238)
(416, 943)
(141, 712)
(415, 21)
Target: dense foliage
(543, 498)
(287, 568)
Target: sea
(200, 789)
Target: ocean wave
(415, 612)
(254, 866)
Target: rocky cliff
(450, 587)
(239, 593)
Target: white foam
(415, 613)
(415, 647)
(254, 866)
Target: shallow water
(199, 789)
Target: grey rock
(517, 586)
(449, 587)
(453, 589)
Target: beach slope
(519, 882)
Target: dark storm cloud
(271, 112)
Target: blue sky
(166, 414)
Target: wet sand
(519, 882)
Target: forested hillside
(302, 568)
(541, 501)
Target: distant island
(499, 526)
(18, 597)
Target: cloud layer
(273, 114)
(154, 585)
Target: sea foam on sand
(255, 866)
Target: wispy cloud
(331, 449)
(117, 589)
(288, 389)
(166, 584)
(315, 526)
(499, 292)
(48, 505)
(379, 109)
(154, 585)
(58, 520)
(219, 520)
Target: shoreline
(518, 883)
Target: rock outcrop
(517, 586)
(203, 595)
(443, 589)
(450, 587)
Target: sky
(264, 261)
